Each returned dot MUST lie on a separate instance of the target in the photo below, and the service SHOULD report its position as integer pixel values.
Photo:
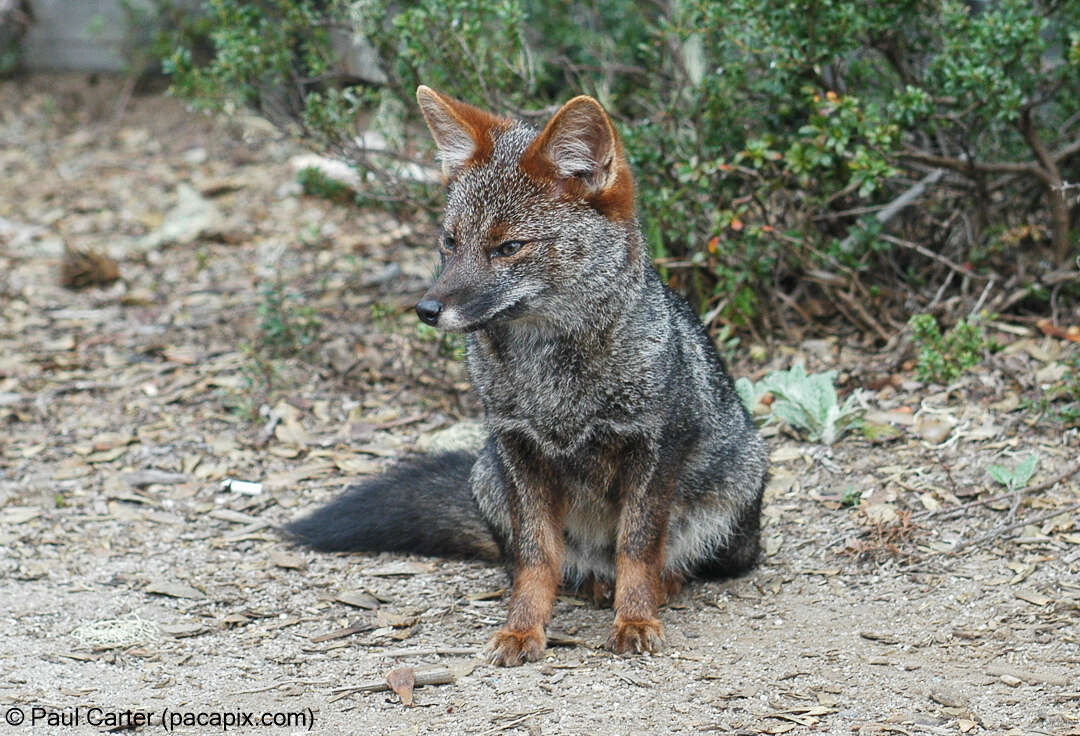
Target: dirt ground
(898, 594)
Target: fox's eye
(509, 248)
(448, 242)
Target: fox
(619, 461)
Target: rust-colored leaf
(402, 681)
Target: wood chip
(19, 514)
(181, 631)
(175, 590)
(879, 637)
(1035, 599)
(143, 478)
(1029, 676)
(358, 598)
(356, 628)
(403, 567)
(287, 560)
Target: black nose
(428, 310)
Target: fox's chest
(560, 399)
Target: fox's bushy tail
(422, 505)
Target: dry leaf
(395, 620)
(358, 598)
(935, 429)
(349, 630)
(401, 681)
(402, 567)
(1071, 333)
(185, 355)
(289, 478)
(354, 464)
(19, 514)
(175, 590)
(80, 269)
(1035, 599)
(109, 440)
(287, 560)
(880, 513)
(181, 631)
(107, 456)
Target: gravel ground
(135, 578)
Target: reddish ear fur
(579, 150)
(464, 134)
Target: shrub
(944, 357)
(768, 138)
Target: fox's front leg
(537, 510)
(639, 549)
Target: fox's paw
(636, 636)
(511, 648)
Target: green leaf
(1001, 474)
(1025, 470)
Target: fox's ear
(580, 144)
(463, 133)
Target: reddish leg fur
(537, 519)
(637, 597)
(523, 638)
(640, 587)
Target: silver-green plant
(1017, 478)
(805, 402)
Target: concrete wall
(87, 35)
(77, 35)
(62, 38)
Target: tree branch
(969, 167)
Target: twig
(1038, 488)
(515, 721)
(931, 254)
(865, 315)
(436, 675)
(1010, 527)
(898, 204)
(968, 167)
(982, 297)
(424, 652)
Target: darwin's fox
(619, 458)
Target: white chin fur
(451, 321)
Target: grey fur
(601, 392)
(579, 348)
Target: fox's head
(538, 225)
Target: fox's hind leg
(595, 590)
(671, 583)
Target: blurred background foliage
(793, 160)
